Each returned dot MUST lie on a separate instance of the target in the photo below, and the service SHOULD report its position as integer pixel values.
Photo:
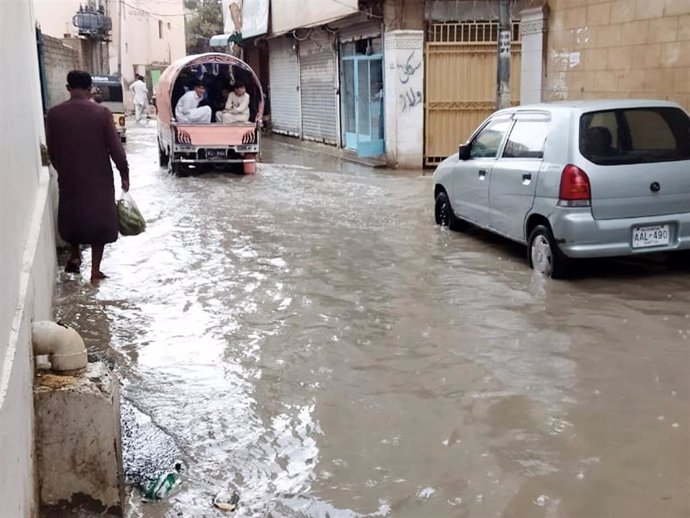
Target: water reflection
(308, 337)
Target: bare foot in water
(97, 277)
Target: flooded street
(308, 337)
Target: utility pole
(119, 38)
(503, 71)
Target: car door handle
(482, 174)
(526, 178)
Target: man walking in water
(140, 93)
(81, 141)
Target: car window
(487, 142)
(648, 130)
(527, 139)
(635, 135)
(106, 93)
(607, 120)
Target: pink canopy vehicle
(185, 147)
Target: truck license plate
(212, 154)
(643, 237)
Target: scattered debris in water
(227, 500)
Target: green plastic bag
(129, 219)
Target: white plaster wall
(291, 14)
(55, 16)
(141, 44)
(404, 98)
(532, 26)
(27, 253)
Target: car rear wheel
(444, 214)
(545, 256)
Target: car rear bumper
(580, 235)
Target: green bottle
(163, 485)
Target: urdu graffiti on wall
(411, 95)
(410, 98)
(408, 69)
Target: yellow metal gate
(461, 82)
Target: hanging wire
(151, 12)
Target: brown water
(309, 337)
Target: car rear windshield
(635, 135)
(107, 93)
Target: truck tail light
(575, 189)
(121, 121)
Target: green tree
(205, 19)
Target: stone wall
(618, 48)
(59, 60)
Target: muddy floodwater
(309, 338)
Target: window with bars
(468, 32)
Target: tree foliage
(205, 19)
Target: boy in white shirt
(236, 107)
(188, 109)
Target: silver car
(575, 180)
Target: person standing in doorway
(81, 140)
(140, 98)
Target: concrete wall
(404, 98)
(55, 19)
(142, 42)
(618, 48)
(147, 39)
(59, 60)
(285, 16)
(403, 14)
(27, 254)
(55, 16)
(533, 24)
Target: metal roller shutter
(318, 84)
(285, 98)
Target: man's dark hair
(140, 78)
(195, 82)
(239, 84)
(79, 80)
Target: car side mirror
(464, 152)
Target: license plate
(215, 153)
(643, 237)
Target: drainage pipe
(63, 345)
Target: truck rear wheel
(163, 157)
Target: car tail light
(575, 189)
(121, 120)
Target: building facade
(147, 36)
(338, 75)
(137, 37)
(27, 278)
(411, 79)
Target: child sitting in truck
(236, 107)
